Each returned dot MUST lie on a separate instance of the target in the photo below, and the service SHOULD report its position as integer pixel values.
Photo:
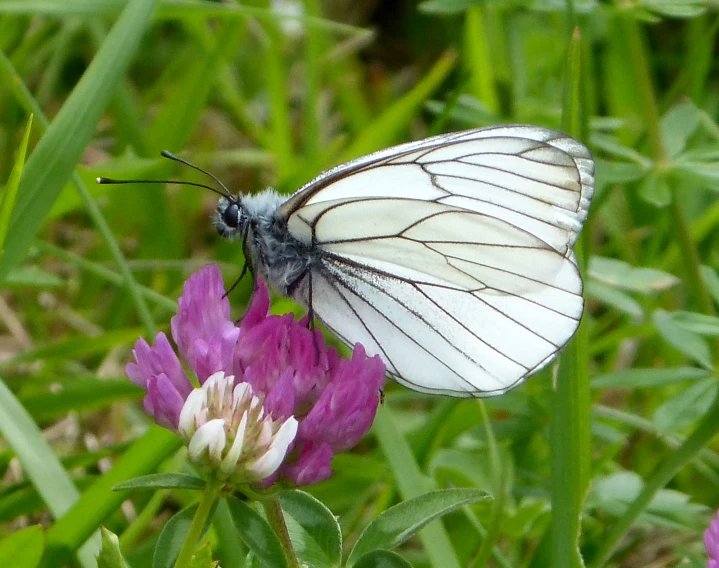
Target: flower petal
(167, 403)
(267, 464)
(312, 466)
(209, 439)
(156, 360)
(203, 314)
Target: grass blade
(54, 158)
(570, 438)
(8, 198)
(41, 465)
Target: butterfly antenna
(110, 181)
(166, 154)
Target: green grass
(613, 466)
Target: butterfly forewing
(451, 257)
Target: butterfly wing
(451, 257)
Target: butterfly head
(230, 218)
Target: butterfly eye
(231, 216)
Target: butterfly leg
(246, 266)
(292, 290)
(311, 317)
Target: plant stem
(276, 518)
(199, 523)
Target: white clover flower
(228, 433)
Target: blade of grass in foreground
(25, 98)
(54, 158)
(570, 438)
(10, 194)
(41, 465)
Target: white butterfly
(450, 257)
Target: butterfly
(450, 257)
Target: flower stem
(277, 522)
(199, 522)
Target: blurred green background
(614, 467)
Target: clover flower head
(273, 402)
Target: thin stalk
(497, 468)
(199, 522)
(276, 518)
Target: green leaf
(174, 533)
(162, 481)
(10, 193)
(55, 156)
(400, 522)
(617, 299)
(478, 58)
(614, 493)
(678, 125)
(32, 276)
(621, 274)
(686, 407)
(689, 343)
(617, 172)
(697, 323)
(704, 173)
(256, 533)
(320, 529)
(172, 538)
(654, 189)
(466, 111)
(382, 559)
(711, 280)
(640, 378)
(676, 8)
(229, 550)
(667, 470)
(110, 554)
(22, 549)
(570, 435)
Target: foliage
(614, 466)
